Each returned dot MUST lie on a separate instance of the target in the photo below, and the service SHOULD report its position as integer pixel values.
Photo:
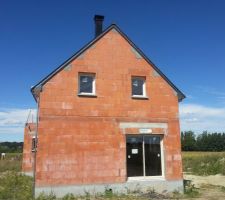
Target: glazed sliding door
(144, 155)
(152, 156)
(134, 156)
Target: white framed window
(86, 84)
(138, 86)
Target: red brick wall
(79, 138)
(27, 163)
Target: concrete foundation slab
(160, 186)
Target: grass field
(12, 162)
(204, 163)
(15, 186)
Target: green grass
(12, 162)
(204, 163)
(14, 185)
(222, 189)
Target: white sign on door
(134, 151)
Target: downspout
(35, 150)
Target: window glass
(134, 156)
(138, 86)
(152, 156)
(86, 83)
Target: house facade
(28, 148)
(107, 117)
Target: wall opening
(144, 155)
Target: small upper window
(34, 144)
(138, 87)
(87, 84)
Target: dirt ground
(209, 187)
(217, 180)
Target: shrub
(108, 193)
(204, 164)
(191, 191)
(44, 196)
(69, 197)
(15, 186)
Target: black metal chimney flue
(98, 24)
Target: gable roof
(38, 87)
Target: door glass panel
(152, 156)
(134, 156)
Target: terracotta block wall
(27, 163)
(80, 141)
(80, 151)
(172, 152)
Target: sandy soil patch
(217, 180)
(209, 187)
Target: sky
(184, 38)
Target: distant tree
(203, 142)
(188, 141)
(11, 147)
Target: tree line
(202, 142)
(189, 142)
(11, 147)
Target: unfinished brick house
(107, 117)
(29, 148)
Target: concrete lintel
(155, 74)
(114, 30)
(81, 56)
(142, 125)
(137, 55)
(68, 67)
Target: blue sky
(185, 39)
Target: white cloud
(193, 117)
(12, 121)
(200, 118)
